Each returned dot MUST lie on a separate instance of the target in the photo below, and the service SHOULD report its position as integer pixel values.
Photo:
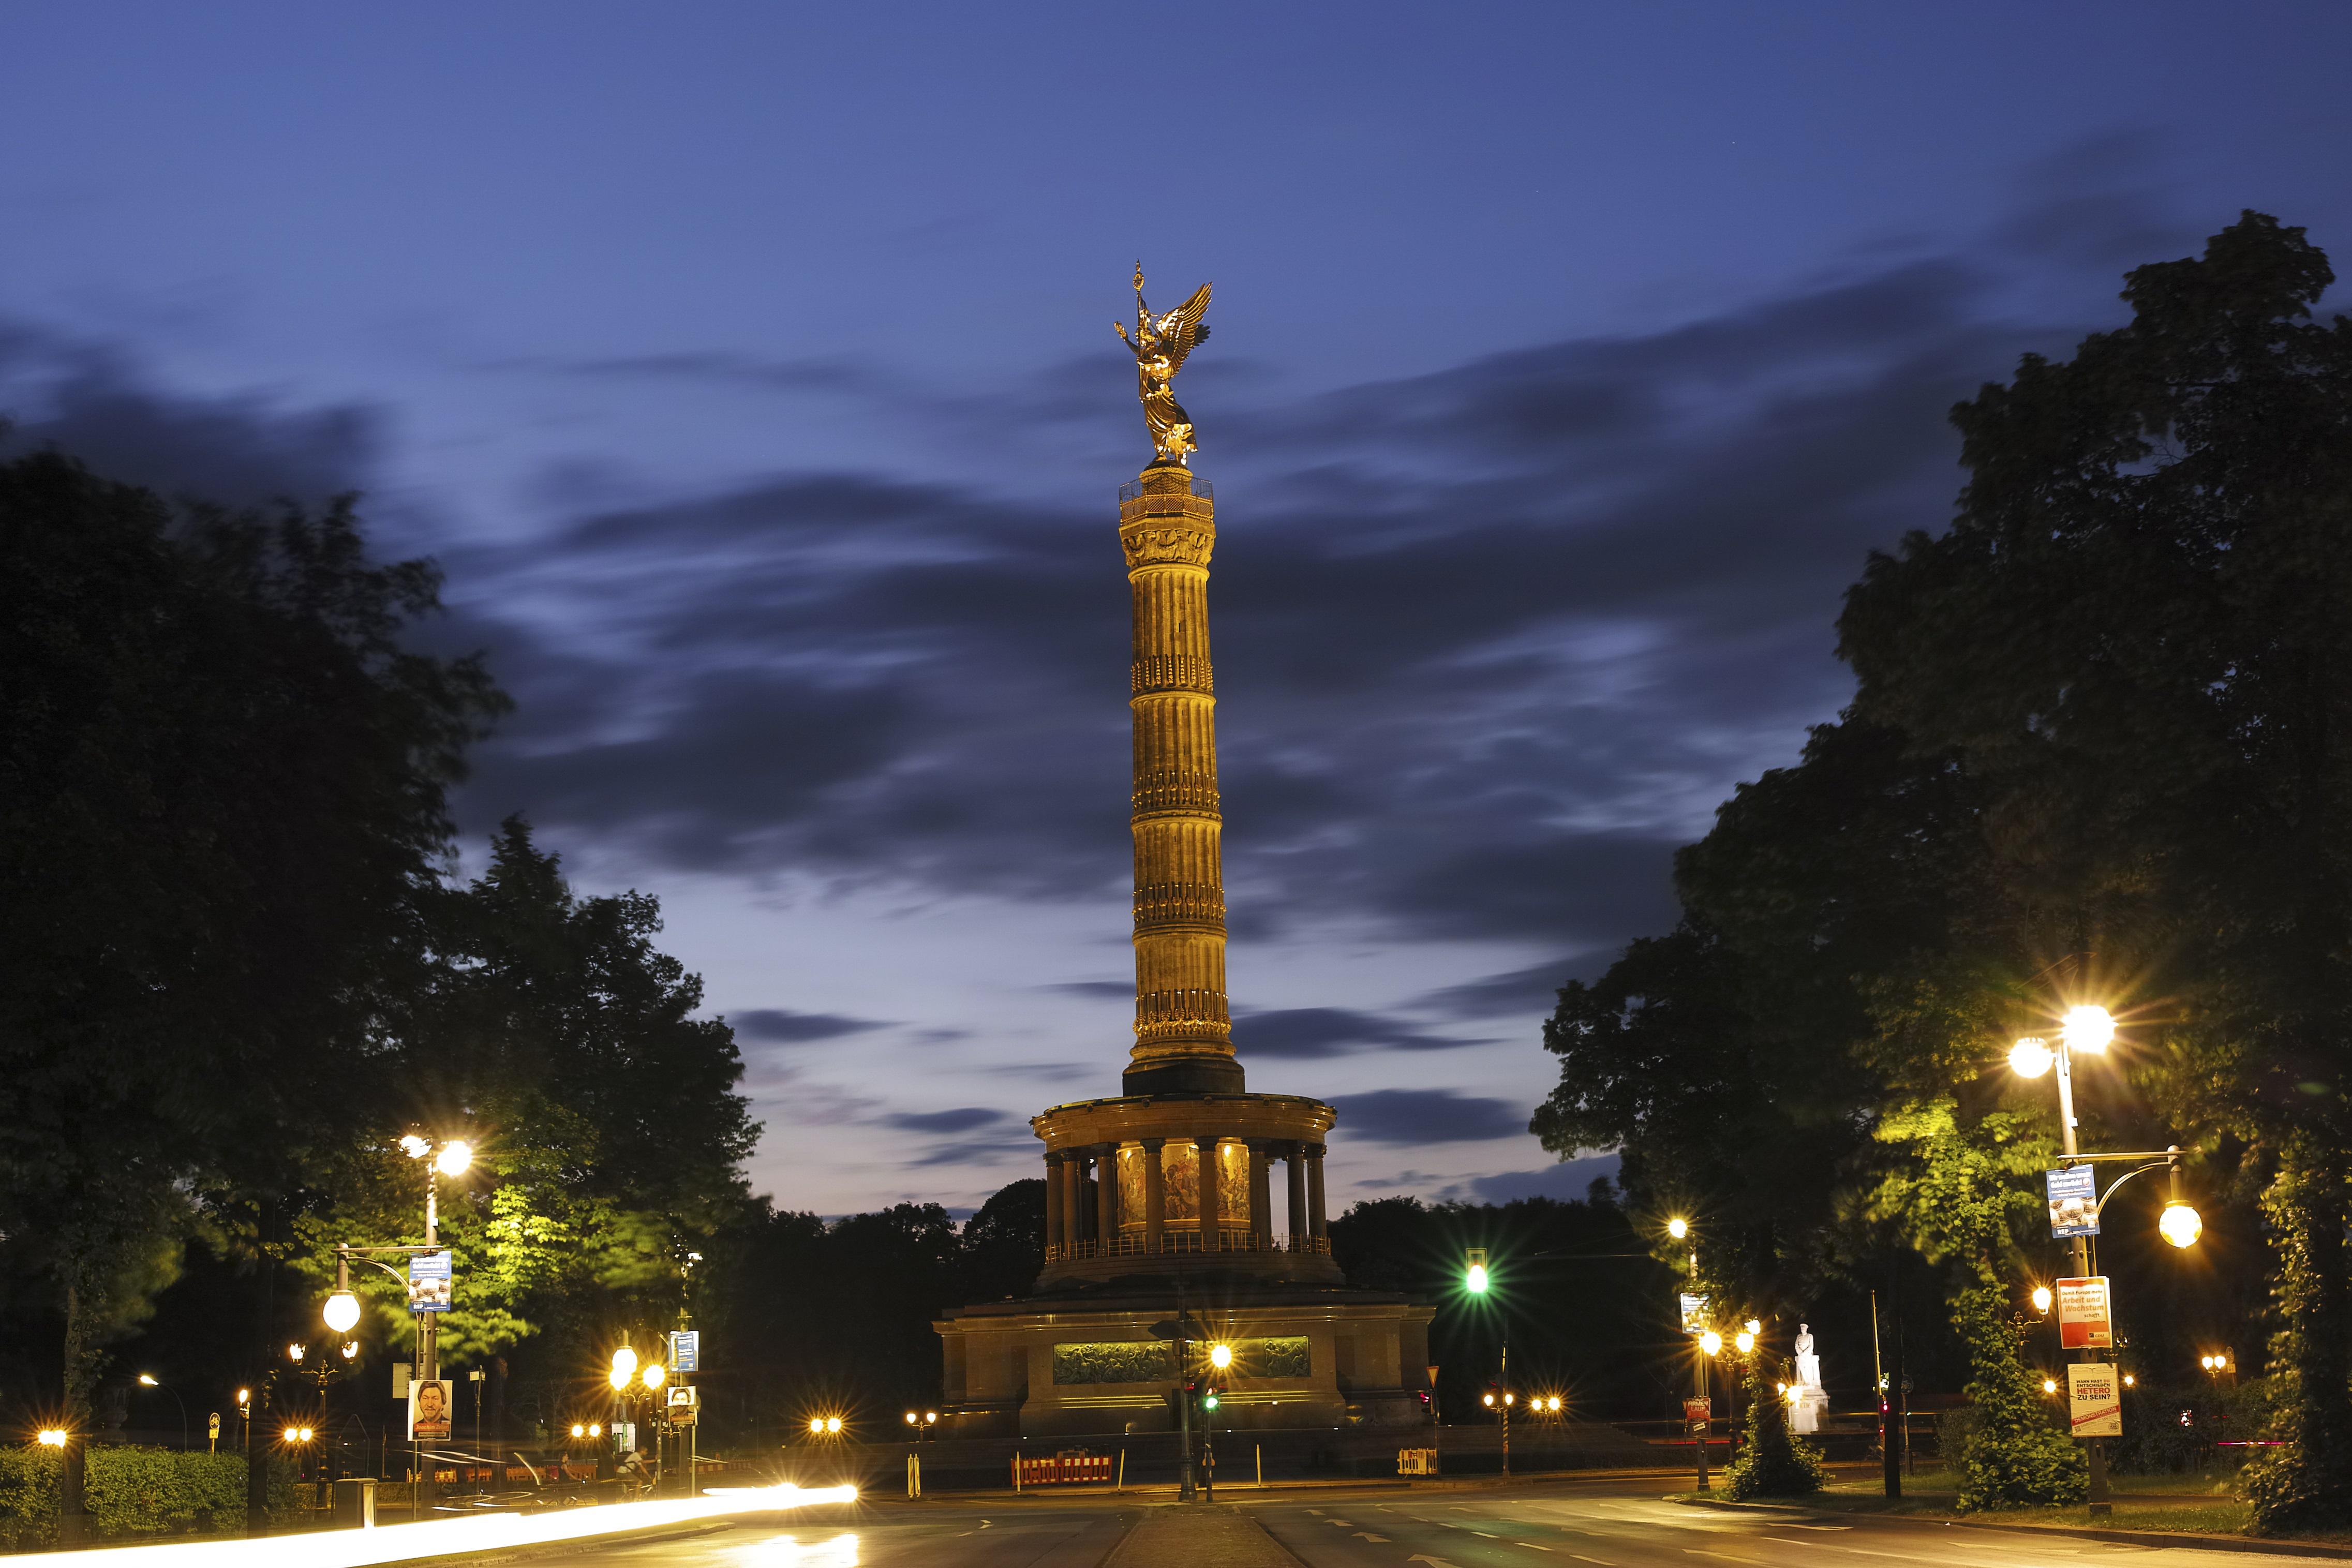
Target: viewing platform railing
(1184, 1241)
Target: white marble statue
(1807, 1399)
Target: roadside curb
(2152, 1538)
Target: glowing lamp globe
(2088, 1029)
(816, 1426)
(2049, 1386)
(53, 1437)
(1476, 1278)
(1745, 1341)
(415, 1147)
(454, 1158)
(342, 1312)
(832, 1424)
(2041, 1298)
(2180, 1225)
(625, 1366)
(655, 1376)
(2031, 1058)
(1678, 1228)
(1711, 1342)
(1220, 1357)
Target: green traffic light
(1209, 1402)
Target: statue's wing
(1181, 328)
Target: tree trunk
(80, 1373)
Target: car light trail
(447, 1537)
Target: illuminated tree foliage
(2101, 742)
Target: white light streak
(476, 1532)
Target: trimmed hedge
(134, 1492)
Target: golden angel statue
(1160, 343)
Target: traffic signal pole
(1184, 1413)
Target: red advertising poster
(2083, 1318)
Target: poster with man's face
(428, 1409)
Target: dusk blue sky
(749, 368)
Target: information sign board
(2085, 1320)
(2095, 1404)
(686, 1350)
(2074, 1202)
(1694, 1314)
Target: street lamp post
(1703, 1348)
(449, 1157)
(147, 1380)
(2088, 1029)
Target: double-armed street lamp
(634, 1378)
(2087, 1029)
(444, 1157)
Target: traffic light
(1474, 1270)
(1209, 1397)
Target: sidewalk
(1199, 1535)
(2193, 1541)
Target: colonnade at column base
(1185, 1184)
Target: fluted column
(1107, 1196)
(1155, 1196)
(1318, 1225)
(1183, 1033)
(1055, 1235)
(1074, 1214)
(1293, 1167)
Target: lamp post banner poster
(1693, 1309)
(430, 1400)
(428, 1282)
(2095, 1404)
(2085, 1319)
(2074, 1202)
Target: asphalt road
(1588, 1524)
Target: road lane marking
(1367, 1535)
(1531, 1546)
(1726, 1556)
(1605, 1563)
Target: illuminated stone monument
(1162, 1196)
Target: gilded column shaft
(1182, 1030)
